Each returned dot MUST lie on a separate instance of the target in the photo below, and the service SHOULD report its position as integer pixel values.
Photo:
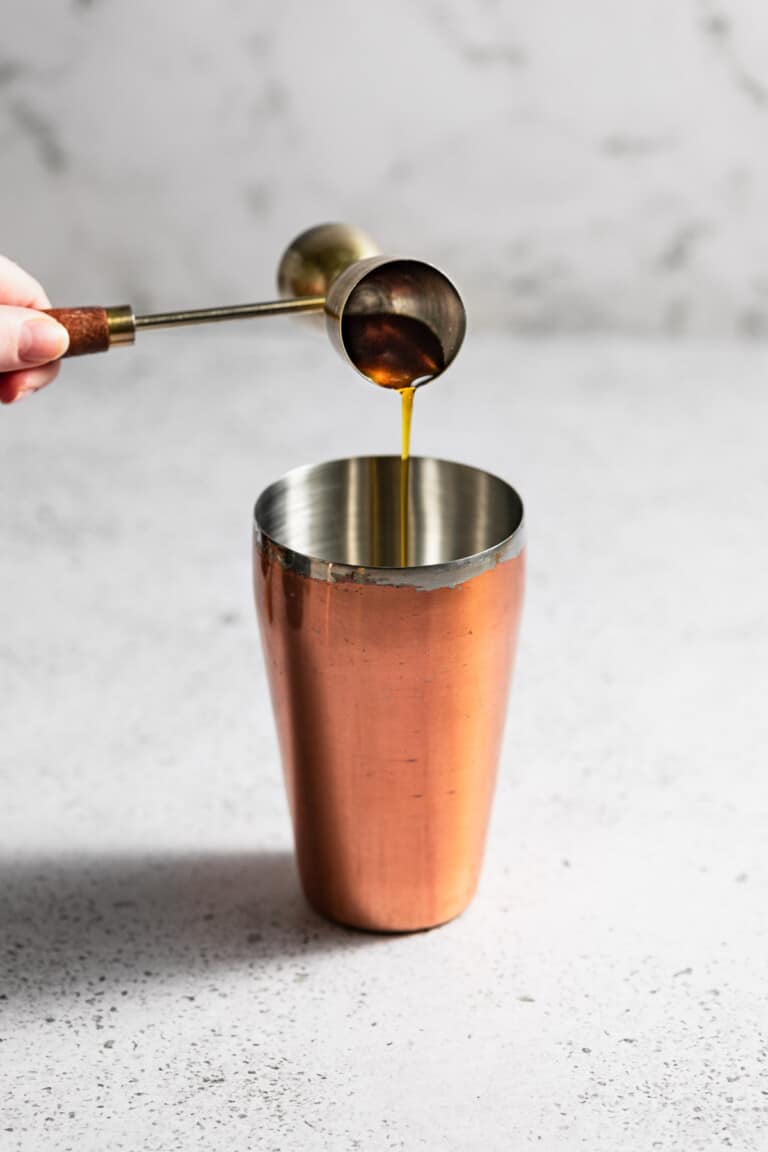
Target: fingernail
(41, 340)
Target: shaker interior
(349, 511)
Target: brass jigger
(334, 269)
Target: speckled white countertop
(162, 984)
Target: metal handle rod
(234, 312)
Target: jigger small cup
(389, 684)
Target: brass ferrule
(122, 325)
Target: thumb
(28, 338)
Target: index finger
(19, 288)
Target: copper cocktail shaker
(389, 683)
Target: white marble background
(594, 166)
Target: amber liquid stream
(395, 352)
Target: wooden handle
(88, 329)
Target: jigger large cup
(389, 684)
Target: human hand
(30, 343)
